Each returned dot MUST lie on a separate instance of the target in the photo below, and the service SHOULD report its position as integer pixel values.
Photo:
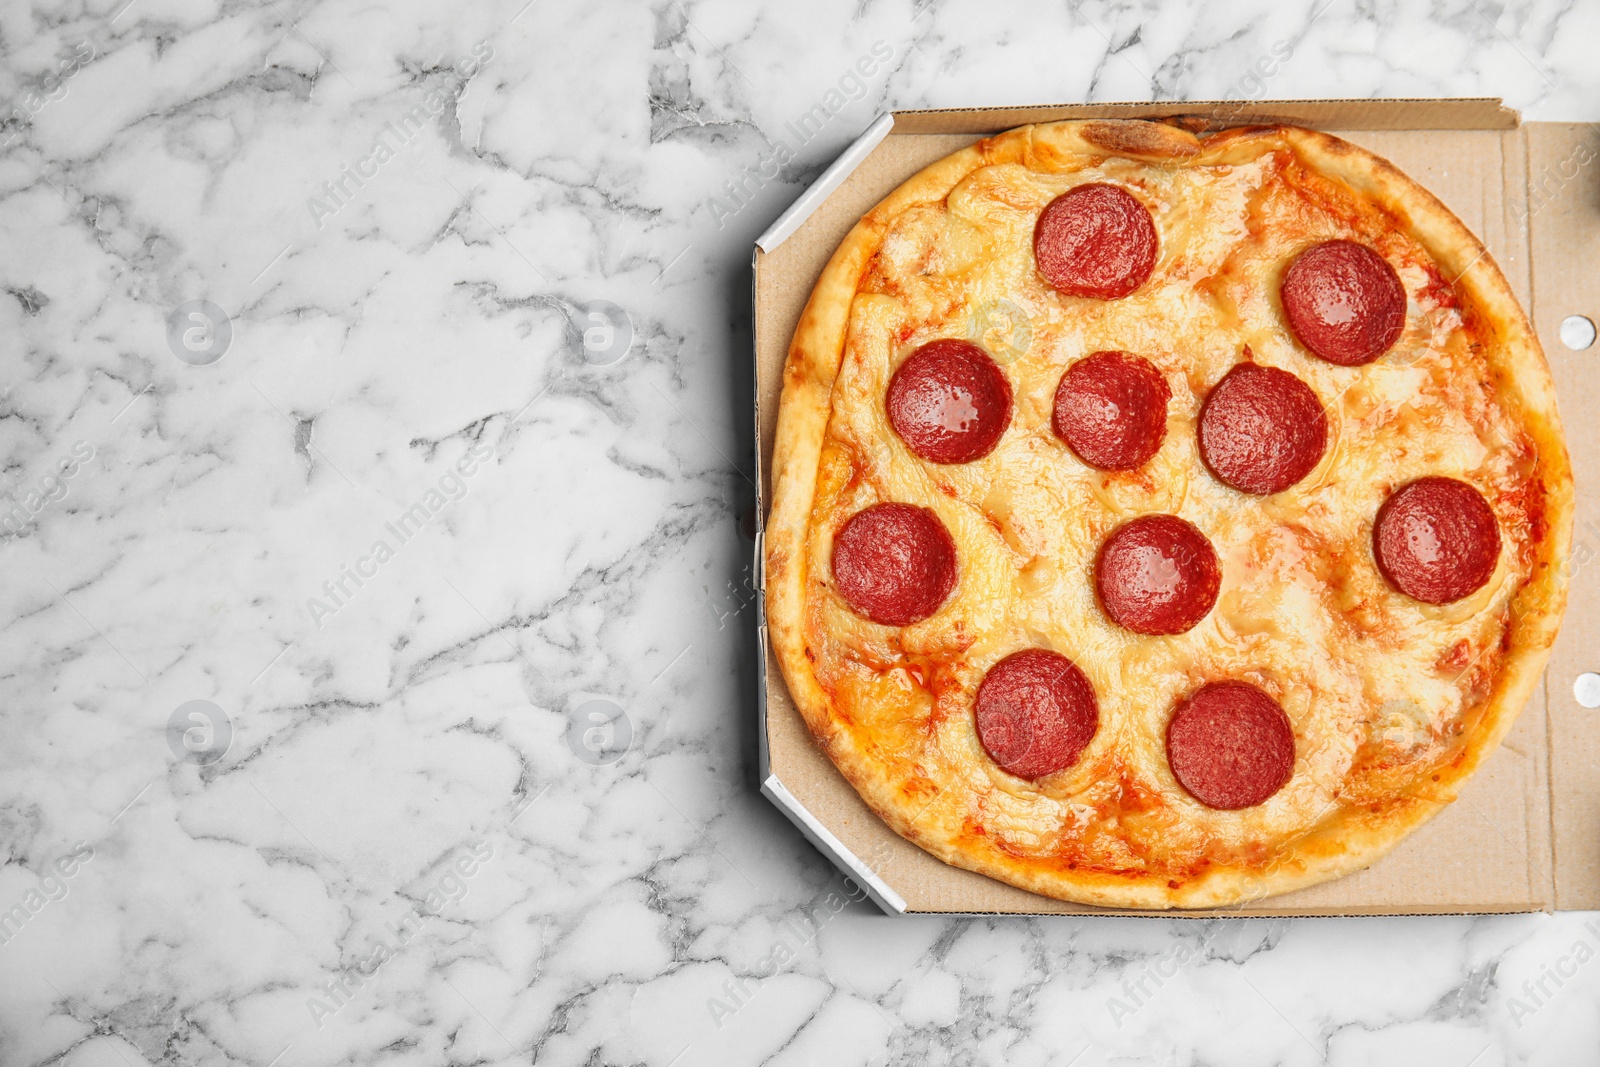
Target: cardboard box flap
(831, 179)
(1563, 213)
(1471, 113)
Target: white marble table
(414, 845)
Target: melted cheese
(1372, 681)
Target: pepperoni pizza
(1229, 579)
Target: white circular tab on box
(1587, 690)
(1577, 332)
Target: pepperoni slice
(1436, 540)
(1096, 240)
(1344, 302)
(949, 402)
(1035, 713)
(1262, 429)
(1157, 575)
(1111, 409)
(894, 563)
(1231, 746)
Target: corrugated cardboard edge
(823, 187)
(890, 902)
(820, 836)
(1484, 114)
(1463, 113)
(1562, 169)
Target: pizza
(1163, 520)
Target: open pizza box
(1524, 835)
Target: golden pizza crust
(962, 810)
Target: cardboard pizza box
(1524, 834)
